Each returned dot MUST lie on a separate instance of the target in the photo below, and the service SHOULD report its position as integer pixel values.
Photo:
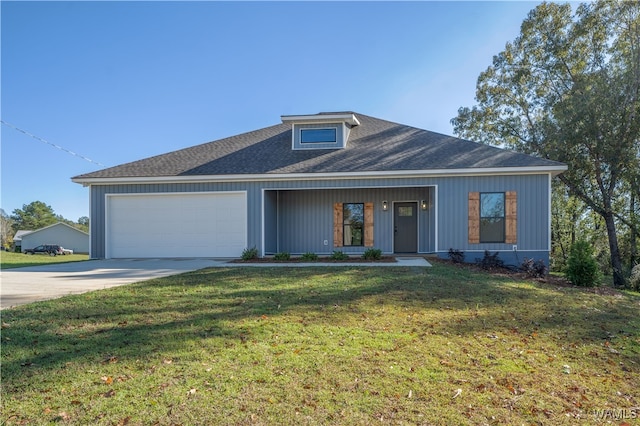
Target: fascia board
(552, 170)
(321, 118)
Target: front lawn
(340, 345)
(19, 260)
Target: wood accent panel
(368, 224)
(511, 219)
(474, 218)
(338, 218)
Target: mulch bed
(383, 259)
(549, 279)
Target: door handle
(395, 229)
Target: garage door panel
(177, 225)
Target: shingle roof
(374, 145)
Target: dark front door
(405, 232)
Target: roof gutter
(552, 170)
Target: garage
(211, 224)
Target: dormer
(320, 131)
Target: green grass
(290, 346)
(19, 260)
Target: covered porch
(396, 220)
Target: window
(492, 217)
(353, 224)
(318, 135)
(486, 214)
(405, 211)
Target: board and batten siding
(306, 219)
(297, 216)
(532, 238)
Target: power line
(51, 144)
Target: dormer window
(319, 135)
(320, 131)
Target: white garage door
(176, 225)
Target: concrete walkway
(25, 285)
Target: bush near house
(249, 253)
(490, 261)
(456, 256)
(309, 257)
(534, 268)
(283, 255)
(582, 267)
(339, 255)
(372, 254)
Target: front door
(405, 231)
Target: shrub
(372, 254)
(249, 253)
(490, 261)
(339, 255)
(283, 255)
(634, 280)
(534, 268)
(582, 268)
(456, 256)
(310, 257)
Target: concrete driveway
(25, 285)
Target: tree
(6, 232)
(83, 223)
(568, 89)
(33, 216)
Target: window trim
(312, 129)
(503, 217)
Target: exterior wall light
(385, 206)
(423, 204)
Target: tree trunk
(616, 260)
(633, 231)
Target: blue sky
(120, 81)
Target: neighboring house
(324, 182)
(60, 234)
(17, 239)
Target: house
(323, 182)
(59, 233)
(17, 239)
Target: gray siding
(306, 219)
(298, 214)
(533, 211)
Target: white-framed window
(319, 135)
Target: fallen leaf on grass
(124, 421)
(107, 379)
(109, 394)
(457, 394)
(63, 416)
(192, 391)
